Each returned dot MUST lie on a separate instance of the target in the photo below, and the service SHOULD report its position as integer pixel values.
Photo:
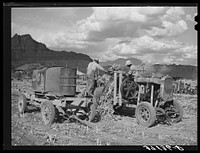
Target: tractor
(151, 96)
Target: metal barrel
(68, 81)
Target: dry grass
(110, 130)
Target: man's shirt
(132, 70)
(92, 68)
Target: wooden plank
(131, 105)
(34, 103)
(33, 98)
(57, 102)
(75, 99)
(79, 105)
(79, 101)
(155, 80)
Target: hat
(128, 63)
(96, 60)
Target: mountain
(173, 70)
(176, 71)
(122, 61)
(26, 50)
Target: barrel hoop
(62, 76)
(68, 85)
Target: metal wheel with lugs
(22, 103)
(48, 112)
(129, 89)
(174, 111)
(145, 114)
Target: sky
(158, 35)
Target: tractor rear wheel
(174, 111)
(145, 114)
(48, 112)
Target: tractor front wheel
(145, 114)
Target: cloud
(169, 29)
(116, 22)
(118, 13)
(109, 33)
(174, 29)
(106, 22)
(188, 51)
(172, 23)
(115, 30)
(156, 50)
(112, 22)
(173, 14)
(152, 10)
(189, 17)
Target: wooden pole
(120, 82)
(138, 100)
(115, 88)
(152, 88)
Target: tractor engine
(162, 91)
(166, 88)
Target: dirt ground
(30, 129)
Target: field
(121, 130)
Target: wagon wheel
(128, 89)
(22, 103)
(145, 114)
(174, 112)
(48, 112)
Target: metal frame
(149, 81)
(117, 94)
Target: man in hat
(132, 68)
(92, 75)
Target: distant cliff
(179, 71)
(122, 61)
(25, 50)
(176, 71)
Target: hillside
(25, 50)
(182, 71)
(122, 61)
(176, 71)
